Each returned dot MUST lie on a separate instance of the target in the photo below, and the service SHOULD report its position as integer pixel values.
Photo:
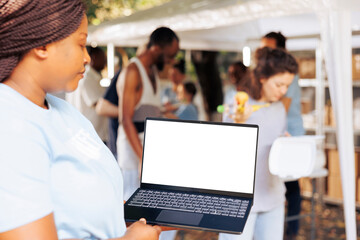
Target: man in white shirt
(89, 91)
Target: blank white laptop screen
(205, 156)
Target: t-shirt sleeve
(186, 113)
(24, 176)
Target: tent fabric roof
(217, 24)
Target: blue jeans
(293, 207)
(261, 226)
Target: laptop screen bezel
(198, 190)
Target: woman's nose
(283, 90)
(87, 58)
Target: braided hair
(27, 24)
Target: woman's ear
(262, 80)
(155, 49)
(41, 52)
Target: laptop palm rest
(179, 217)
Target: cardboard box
(356, 66)
(305, 185)
(326, 115)
(307, 68)
(334, 163)
(334, 187)
(305, 106)
(329, 117)
(332, 121)
(358, 190)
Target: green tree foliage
(102, 10)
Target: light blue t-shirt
(53, 161)
(187, 112)
(294, 118)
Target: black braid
(27, 24)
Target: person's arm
(170, 115)
(168, 107)
(44, 229)
(41, 229)
(106, 108)
(131, 87)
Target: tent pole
(110, 60)
(336, 36)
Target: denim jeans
(293, 207)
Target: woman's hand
(242, 117)
(287, 134)
(140, 230)
(163, 228)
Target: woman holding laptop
(57, 178)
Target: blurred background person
(237, 73)
(239, 76)
(271, 77)
(295, 128)
(169, 100)
(139, 97)
(138, 89)
(177, 76)
(186, 110)
(89, 91)
(107, 106)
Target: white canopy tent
(233, 24)
(199, 23)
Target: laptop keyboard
(197, 203)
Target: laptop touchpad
(179, 217)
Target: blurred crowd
(136, 92)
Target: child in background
(187, 110)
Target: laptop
(195, 174)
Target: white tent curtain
(336, 40)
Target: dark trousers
(293, 206)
